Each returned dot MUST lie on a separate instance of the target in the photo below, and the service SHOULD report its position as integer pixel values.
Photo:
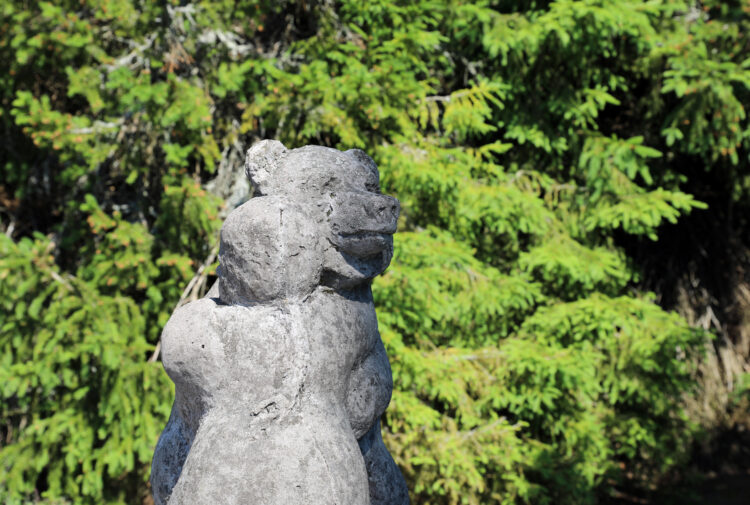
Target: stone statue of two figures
(281, 376)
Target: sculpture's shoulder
(208, 321)
(194, 318)
(191, 348)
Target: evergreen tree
(527, 141)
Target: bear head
(317, 218)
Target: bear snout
(363, 223)
(357, 213)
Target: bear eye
(372, 179)
(372, 187)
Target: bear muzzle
(363, 223)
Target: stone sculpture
(281, 376)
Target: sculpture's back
(280, 373)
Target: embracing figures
(280, 373)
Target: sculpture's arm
(387, 484)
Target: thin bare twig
(446, 98)
(11, 227)
(134, 54)
(98, 127)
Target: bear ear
(362, 157)
(261, 162)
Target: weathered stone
(281, 376)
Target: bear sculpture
(280, 373)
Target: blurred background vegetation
(568, 310)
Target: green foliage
(525, 140)
(81, 403)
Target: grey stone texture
(281, 376)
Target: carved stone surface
(281, 376)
